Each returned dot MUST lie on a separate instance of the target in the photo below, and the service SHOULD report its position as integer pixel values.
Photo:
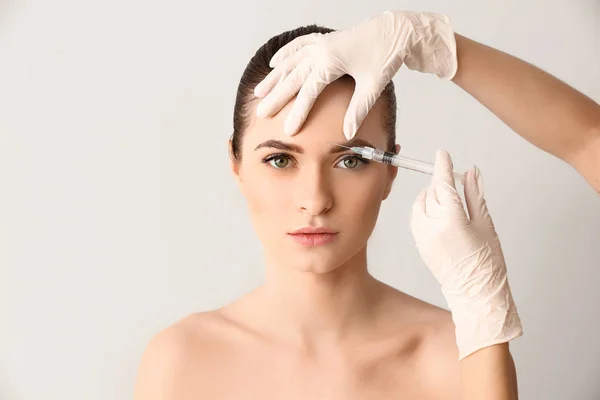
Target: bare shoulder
(436, 358)
(175, 352)
(186, 336)
(431, 319)
(438, 329)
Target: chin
(317, 260)
(316, 267)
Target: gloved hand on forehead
(371, 52)
(464, 254)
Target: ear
(392, 172)
(234, 164)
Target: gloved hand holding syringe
(397, 160)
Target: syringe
(397, 160)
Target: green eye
(279, 161)
(351, 162)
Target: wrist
(482, 325)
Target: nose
(313, 191)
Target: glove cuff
(483, 324)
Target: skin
(489, 374)
(539, 107)
(320, 326)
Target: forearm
(542, 109)
(489, 374)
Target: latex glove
(464, 254)
(371, 52)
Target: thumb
(362, 101)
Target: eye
(351, 162)
(278, 161)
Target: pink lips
(313, 236)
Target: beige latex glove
(464, 254)
(371, 52)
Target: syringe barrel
(408, 163)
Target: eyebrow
(293, 148)
(351, 143)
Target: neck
(316, 308)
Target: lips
(313, 236)
(309, 230)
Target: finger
(432, 203)
(472, 195)
(277, 75)
(361, 103)
(443, 178)
(420, 203)
(292, 47)
(311, 89)
(265, 86)
(283, 91)
(419, 210)
(476, 204)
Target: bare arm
(489, 374)
(542, 109)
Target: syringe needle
(346, 147)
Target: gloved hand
(464, 254)
(371, 52)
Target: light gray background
(118, 213)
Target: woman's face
(304, 181)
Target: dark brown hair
(258, 68)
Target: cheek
(362, 194)
(359, 202)
(266, 195)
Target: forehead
(324, 123)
